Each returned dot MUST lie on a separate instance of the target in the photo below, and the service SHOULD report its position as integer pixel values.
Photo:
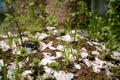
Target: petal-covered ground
(56, 55)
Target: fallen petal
(50, 28)
(61, 75)
(1, 63)
(27, 72)
(77, 66)
(83, 53)
(58, 54)
(66, 38)
(95, 52)
(60, 47)
(87, 62)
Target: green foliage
(105, 29)
(4, 73)
(17, 76)
(54, 65)
(7, 22)
(35, 61)
(51, 21)
(116, 72)
(79, 13)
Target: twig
(16, 22)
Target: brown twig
(19, 32)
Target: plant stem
(16, 22)
(19, 32)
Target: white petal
(10, 70)
(89, 43)
(43, 46)
(87, 62)
(77, 66)
(83, 53)
(42, 36)
(52, 48)
(95, 43)
(1, 63)
(84, 33)
(3, 36)
(98, 48)
(4, 46)
(48, 72)
(116, 55)
(20, 64)
(34, 51)
(70, 76)
(73, 31)
(26, 72)
(58, 54)
(48, 56)
(26, 32)
(56, 33)
(100, 62)
(97, 65)
(13, 45)
(27, 59)
(111, 64)
(95, 52)
(71, 57)
(15, 51)
(60, 47)
(66, 38)
(24, 39)
(29, 77)
(46, 61)
(108, 73)
(28, 49)
(61, 75)
(96, 69)
(83, 49)
(50, 28)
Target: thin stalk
(19, 32)
(4, 70)
(16, 22)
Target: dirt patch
(60, 11)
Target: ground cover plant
(35, 46)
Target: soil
(60, 11)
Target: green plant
(18, 70)
(69, 54)
(101, 29)
(51, 21)
(53, 65)
(4, 72)
(68, 26)
(35, 61)
(116, 72)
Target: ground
(73, 40)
